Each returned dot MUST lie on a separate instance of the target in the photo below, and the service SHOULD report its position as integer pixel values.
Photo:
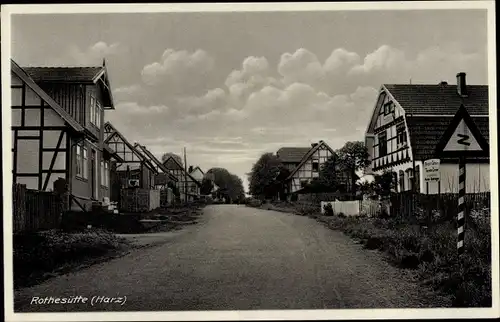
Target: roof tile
(439, 99)
(292, 154)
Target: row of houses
(408, 125)
(59, 132)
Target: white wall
(477, 179)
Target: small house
(407, 124)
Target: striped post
(461, 206)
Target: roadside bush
(328, 209)
(37, 253)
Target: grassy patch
(37, 256)
(429, 251)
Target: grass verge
(41, 255)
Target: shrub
(328, 209)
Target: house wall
(389, 123)
(71, 97)
(305, 173)
(477, 179)
(39, 139)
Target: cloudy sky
(231, 86)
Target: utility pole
(185, 177)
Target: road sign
(431, 170)
(462, 138)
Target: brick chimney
(461, 84)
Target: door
(93, 173)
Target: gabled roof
(439, 99)
(197, 167)
(425, 133)
(292, 154)
(65, 74)
(78, 75)
(171, 158)
(147, 160)
(154, 160)
(129, 145)
(427, 108)
(308, 155)
(53, 104)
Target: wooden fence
(409, 204)
(326, 196)
(139, 200)
(35, 210)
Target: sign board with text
(431, 170)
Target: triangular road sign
(462, 138)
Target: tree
(352, 157)
(165, 156)
(230, 185)
(206, 186)
(267, 176)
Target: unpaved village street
(238, 258)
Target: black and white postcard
(250, 161)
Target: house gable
(122, 147)
(310, 166)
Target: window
(388, 108)
(81, 161)
(92, 108)
(85, 163)
(315, 166)
(382, 144)
(103, 174)
(98, 114)
(401, 135)
(106, 172)
(401, 180)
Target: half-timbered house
(189, 187)
(57, 122)
(197, 173)
(407, 123)
(308, 167)
(135, 170)
(163, 176)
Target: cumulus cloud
(174, 63)
(301, 66)
(259, 107)
(94, 54)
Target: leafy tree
(267, 176)
(381, 186)
(206, 186)
(165, 156)
(230, 185)
(352, 157)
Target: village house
(196, 173)
(164, 176)
(409, 121)
(135, 171)
(304, 165)
(189, 187)
(57, 130)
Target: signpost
(431, 172)
(460, 141)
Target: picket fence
(408, 205)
